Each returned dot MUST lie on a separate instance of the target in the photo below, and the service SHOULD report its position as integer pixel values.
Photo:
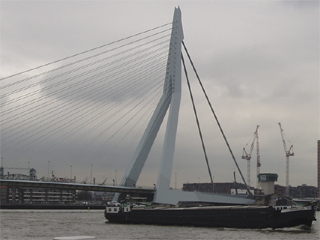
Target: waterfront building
(37, 196)
(302, 191)
(23, 195)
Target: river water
(47, 224)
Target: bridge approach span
(74, 186)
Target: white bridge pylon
(170, 100)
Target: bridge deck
(74, 186)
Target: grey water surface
(47, 224)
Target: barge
(255, 217)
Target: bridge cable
(71, 122)
(90, 50)
(61, 90)
(61, 129)
(76, 91)
(215, 116)
(76, 69)
(198, 123)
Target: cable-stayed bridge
(105, 104)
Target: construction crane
(258, 156)
(288, 154)
(85, 180)
(104, 181)
(247, 156)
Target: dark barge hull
(225, 217)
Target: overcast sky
(259, 61)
